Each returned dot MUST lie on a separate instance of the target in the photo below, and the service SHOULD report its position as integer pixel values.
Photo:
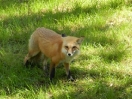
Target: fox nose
(69, 54)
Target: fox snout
(70, 51)
(69, 54)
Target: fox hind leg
(45, 64)
(29, 58)
(33, 51)
(36, 60)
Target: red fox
(55, 47)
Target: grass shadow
(99, 90)
(93, 83)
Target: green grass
(102, 71)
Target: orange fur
(53, 46)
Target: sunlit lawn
(102, 71)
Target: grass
(102, 71)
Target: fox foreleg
(52, 71)
(68, 73)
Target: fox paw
(71, 79)
(27, 63)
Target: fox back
(46, 41)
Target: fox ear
(79, 40)
(63, 35)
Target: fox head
(71, 45)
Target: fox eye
(74, 47)
(66, 47)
